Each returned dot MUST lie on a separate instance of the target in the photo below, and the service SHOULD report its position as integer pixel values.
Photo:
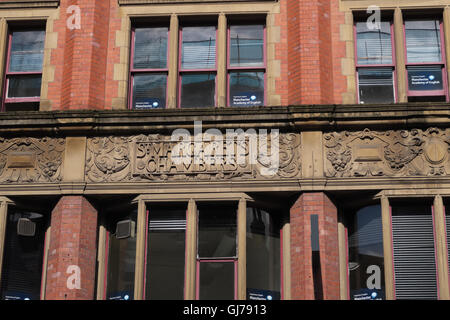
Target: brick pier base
(72, 246)
(302, 284)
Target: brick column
(302, 286)
(72, 243)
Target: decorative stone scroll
(149, 158)
(25, 160)
(388, 153)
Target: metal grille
(414, 257)
(167, 225)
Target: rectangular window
(121, 250)
(425, 60)
(263, 254)
(24, 69)
(165, 253)
(23, 257)
(149, 68)
(366, 255)
(375, 64)
(197, 66)
(217, 251)
(246, 65)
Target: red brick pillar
(302, 285)
(72, 246)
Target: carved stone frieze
(387, 153)
(150, 158)
(25, 160)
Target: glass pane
(216, 281)
(374, 46)
(199, 48)
(198, 90)
(217, 231)
(263, 255)
(149, 91)
(24, 86)
(425, 78)
(165, 253)
(247, 46)
(376, 85)
(423, 41)
(23, 259)
(150, 48)
(366, 257)
(121, 264)
(27, 51)
(246, 89)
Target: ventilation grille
(125, 229)
(167, 225)
(26, 227)
(414, 257)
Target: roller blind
(414, 254)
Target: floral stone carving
(387, 153)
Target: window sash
(257, 68)
(35, 69)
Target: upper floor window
(375, 65)
(23, 74)
(198, 66)
(149, 67)
(425, 60)
(246, 65)
(201, 74)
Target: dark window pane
(425, 78)
(414, 252)
(24, 86)
(166, 253)
(198, 90)
(217, 231)
(149, 91)
(374, 46)
(150, 48)
(22, 106)
(376, 85)
(263, 254)
(216, 281)
(199, 48)
(27, 51)
(423, 41)
(23, 258)
(247, 46)
(121, 263)
(366, 257)
(246, 89)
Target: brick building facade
(93, 205)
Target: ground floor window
(23, 255)
(216, 260)
(366, 257)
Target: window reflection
(217, 231)
(23, 258)
(165, 253)
(121, 261)
(366, 257)
(263, 254)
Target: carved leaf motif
(47, 153)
